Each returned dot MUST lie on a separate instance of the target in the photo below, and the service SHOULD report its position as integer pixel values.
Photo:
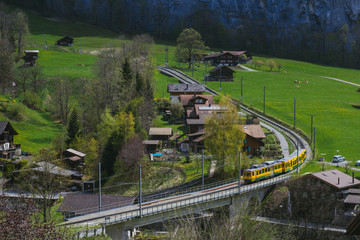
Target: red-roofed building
(253, 139)
(228, 58)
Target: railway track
(293, 136)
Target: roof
(189, 88)
(200, 121)
(331, 177)
(254, 131)
(234, 53)
(77, 153)
(151, 142)
(75, 158)
(160, 131)
(199, 133)
(45, 166)
(186, 99)
(352, 199)
(199, 139)
(86, 202)
(5, 125)
(31, 51)
(222, 67)
(66, 38)
(353, 228)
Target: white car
(338, 158)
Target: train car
(272, 168)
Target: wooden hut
(225, 73)
(30, 57)
(65, 41)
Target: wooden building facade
(221, 73)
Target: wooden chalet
(74, 159)
(7, 147)
(253, 139)
(65, 41)
(162, 134)
(30, 57)
(151, 146)
(223, 73)
(228, 58)
(189, 101)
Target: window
(245, 140)
(263, 171)
(249, 149)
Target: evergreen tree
(73, 128)
(139, 84)
(126, 71)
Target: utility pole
(241, 101)
(202, 175)
(205, 71)
(220, 77)
(294, 113)
(314, 140)
(312, 116)
(297, 156)
(81, 47)
(99, 186)
(44, 40)
(264, 100)
(166, 55)
(192, 65)
(239, 171)
(140, 192)
(179, 57)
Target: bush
(21, 164)
(8, 170)
(14, 111)
(31, 100)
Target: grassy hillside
(332, 103)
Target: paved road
(341, 164)
(283, 143)
(339, 80)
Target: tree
(177, 111)
(224, 138)
(45, 181)
(20, 29)
(73, 128)
(259, 63)
(191, 45)
(36, 78)
(17, 222)
(6, 65)
(131, 154)
(61, 98)
(271, 64)
(279, 66)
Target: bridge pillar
(117, 232)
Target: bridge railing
(201, 198)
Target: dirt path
(339, 80)
(247, 69)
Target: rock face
(283, 24)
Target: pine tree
(73, 128)
(126, 71)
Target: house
(7, 147)
(162, 134)
(176, 90)
(74, 159)
(228, 58)
(221, 73)
(328, 192)
(196, 116)
(30, 58)
(253, 139)
(190, 100)
(196, 141)
(77, 204)
(65, 41)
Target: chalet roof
(254, 131)
(75, 158)
(87, 203)
(199, 121)
(77, 153)
(222, 69)
(151, 142)
(5, 125)
(188, 88)
(199, 139)
(160, 131)
(352, 199)
(199, 133)
(185, 99)
(31, 51)
(66, 38)
(331, 177)
(234, 53)
(46, 166)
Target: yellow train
(272, 168)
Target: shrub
(31, 100)
(14, 111)
(8, 170)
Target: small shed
(160, 133)
(253, 139)
(30, 57)
(224, 73)
(151, 146)
(65, 41)
(74, 158)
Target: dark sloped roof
(254, 131)
(352, 199)
(82, 203)
(5, 125)
(185, 99)
(190, 88)
(222, 69)
(331, 177)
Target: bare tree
(44, 181)
(6, 65)
(61, 99)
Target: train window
(263, 170)
(268, 169)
